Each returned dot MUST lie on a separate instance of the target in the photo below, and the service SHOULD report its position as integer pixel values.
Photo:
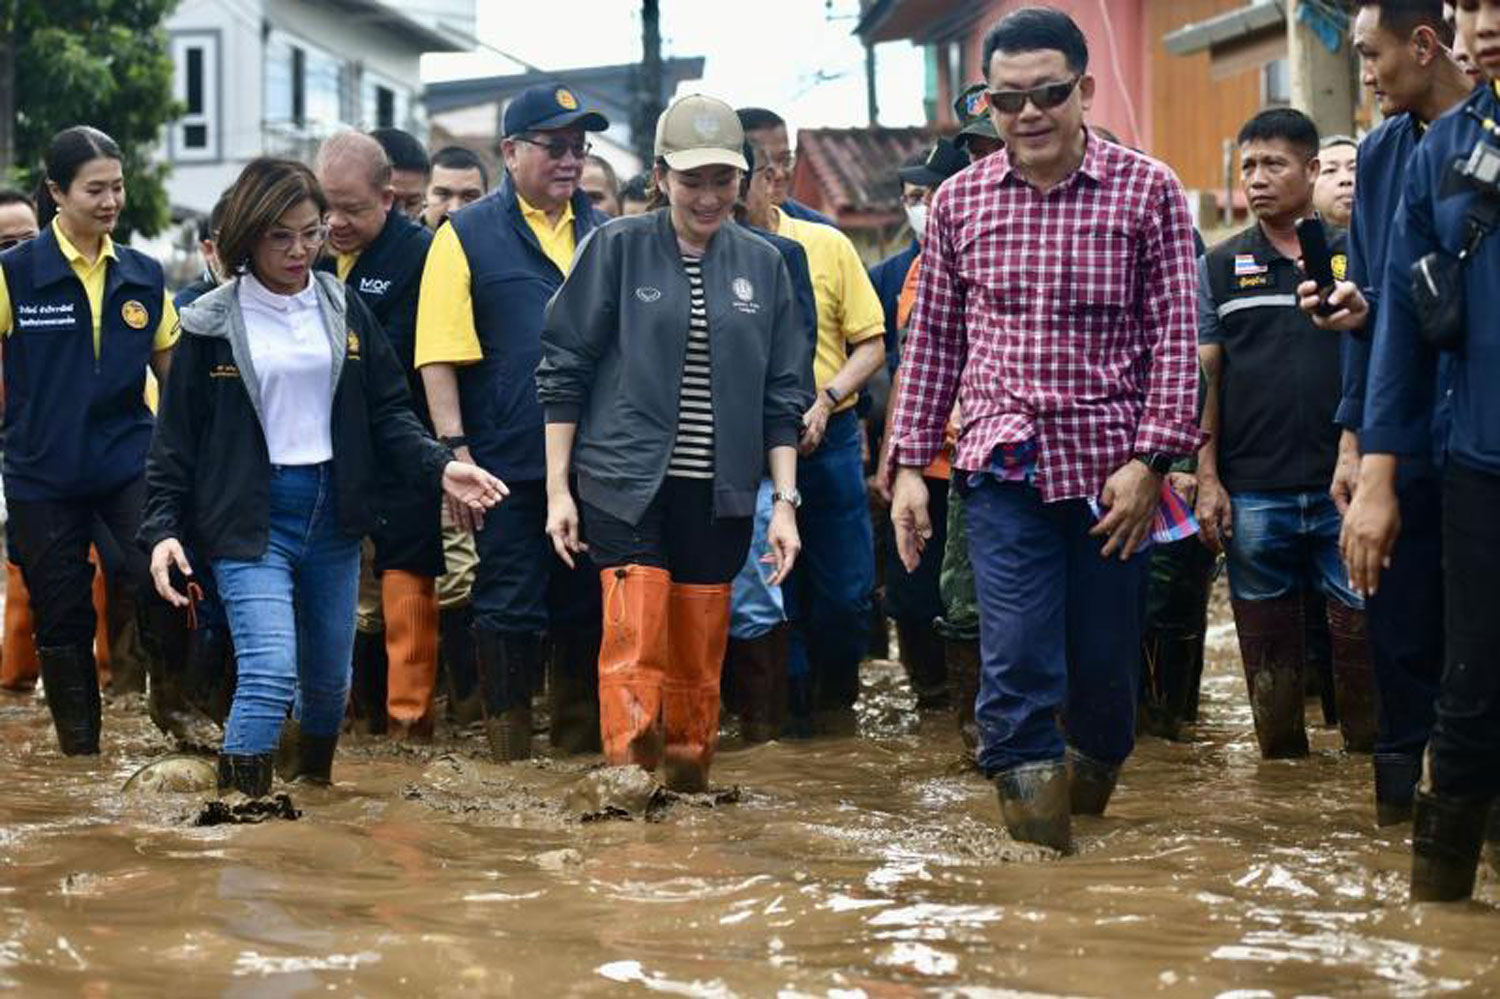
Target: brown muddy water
(857, 867)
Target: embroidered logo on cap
(566, 100)
(648, 295)
(134, 314)
(706, 125)
(976, 103)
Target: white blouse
(293, 361)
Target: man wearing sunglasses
(17, 218)
(490, 272)
(1056, 306)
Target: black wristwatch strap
(1158, 461)
(454, 443)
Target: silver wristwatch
(793, 497)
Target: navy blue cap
(547, 106)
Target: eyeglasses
(1043, 98)
(558, 148)
(786, 162)
(281, 240)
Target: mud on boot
(1034, 800)
(756, 682)
(1353, 677)
(573, 689)
(963, 687)
(305, 758)
(507, 664)
(71, 682)
(1271, 641)
(1447, 833)
(1090, 783)
(456, 647)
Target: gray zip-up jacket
(614, 345)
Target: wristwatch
(793, 497)
(1158, 461)
(454, 443)
(832, 396)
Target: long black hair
(68, 151)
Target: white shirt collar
(259, 294)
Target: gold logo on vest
(224, 371)
(1339, 265)
(134, 314)
(352, 343)
(566, 100)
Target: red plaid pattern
(1066, 317)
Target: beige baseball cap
(698, 131)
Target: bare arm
(1214, 513)
(562, 511)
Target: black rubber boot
(249, 775)
(756, 682)
(1396, 777)
(461, 663)
(1353, 677)
(1090, 783)
(506, 665)
(1271, 638)
(367, 687)
(799, 700)
(926, 669)
(71, 681)
(165, 638)
(1172, 668)
(1447, 833)
(210, 672)
(963, 687)
(1034, 800)
(573, 690)
(128, 659)
(304, 758)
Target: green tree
(96, 62)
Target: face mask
(916, 217)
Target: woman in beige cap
(674, 371)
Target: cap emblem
(566, 100)
(706, 126)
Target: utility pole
(1322, 79)
(871, 101)
(648, 91)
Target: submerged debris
(249, 812)
(627, 793)
(176, 773)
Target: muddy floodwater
(851, 867)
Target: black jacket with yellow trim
(208, 472)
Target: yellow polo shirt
(557, 240)
(445, 305)
(345, 263)
(849, 311)
(93, 277)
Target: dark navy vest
(76, 426)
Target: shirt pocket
(1099, 276)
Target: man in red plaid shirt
(1056, 306)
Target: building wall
(1192, 112)
(242, 125)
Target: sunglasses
(558, 148)
(1043, 98)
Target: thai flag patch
(1245, 265)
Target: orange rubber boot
(690, 693)
(411, 643)
(18, 663)
(632, 661)
(101, 623)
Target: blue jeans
(828, 595)
(757, 606)
(1285, 542)
(291, 613)
(1059, 629)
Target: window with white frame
(195, 85)
(306, 87)
(383, 103)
